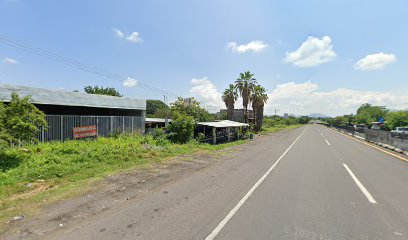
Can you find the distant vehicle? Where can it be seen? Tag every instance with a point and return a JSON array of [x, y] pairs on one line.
[[360, 127], [377, 125], [401, 130]]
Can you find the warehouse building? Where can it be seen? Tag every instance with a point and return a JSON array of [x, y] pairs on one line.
[[74, 115]]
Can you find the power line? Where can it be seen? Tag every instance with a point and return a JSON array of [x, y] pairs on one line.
[[78, 65]]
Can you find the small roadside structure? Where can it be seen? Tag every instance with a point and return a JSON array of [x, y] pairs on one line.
[[151, 123], [220, 131]]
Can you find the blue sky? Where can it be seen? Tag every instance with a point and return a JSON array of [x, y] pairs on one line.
[[353, 51]]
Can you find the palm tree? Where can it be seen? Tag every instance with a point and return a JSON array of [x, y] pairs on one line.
[[245, 85], [258, 98], [229, 97]]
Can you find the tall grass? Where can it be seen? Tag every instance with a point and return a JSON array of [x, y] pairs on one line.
[[71, 161]]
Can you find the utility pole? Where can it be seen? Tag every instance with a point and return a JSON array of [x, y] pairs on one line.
[[166, 121], [276, 110]]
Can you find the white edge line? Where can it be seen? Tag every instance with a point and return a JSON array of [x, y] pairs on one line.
[[360, 185], [327, 142], [221, 225]]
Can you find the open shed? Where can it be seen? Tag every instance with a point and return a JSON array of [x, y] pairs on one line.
[[224, 130], [152, 123]]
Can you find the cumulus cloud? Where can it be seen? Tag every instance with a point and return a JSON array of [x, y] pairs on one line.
[[313, 52], [130, 82], [375, 61], [302, 98], [254, 46], [305, 98], [8, 60], [133, 37], [206, 93]]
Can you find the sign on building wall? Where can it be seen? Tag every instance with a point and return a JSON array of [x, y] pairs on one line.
[[85, 131]]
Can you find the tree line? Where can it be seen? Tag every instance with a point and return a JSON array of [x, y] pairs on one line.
[[367, 114]]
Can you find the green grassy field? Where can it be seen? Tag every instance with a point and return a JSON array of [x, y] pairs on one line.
[[278, 128], [51, 171], [36, 175]]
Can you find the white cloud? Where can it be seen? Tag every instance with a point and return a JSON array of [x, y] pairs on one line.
[[206, 92], [133, 37], [118, 33], [375, 61], [8, 60], [130, 82], [313, 52], [254, 46], [305, 98]]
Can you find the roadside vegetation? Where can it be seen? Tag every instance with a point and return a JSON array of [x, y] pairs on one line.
[[277, 123], [28, 171], [367, 114], [32, 173]]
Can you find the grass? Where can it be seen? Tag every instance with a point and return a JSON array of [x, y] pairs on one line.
[[34, 175], [278, 128]]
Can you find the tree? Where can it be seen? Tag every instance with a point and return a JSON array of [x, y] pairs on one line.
[[258, 99], [396, 119], [155, 107], [245, 85], [229, 97], [182, 128], [102, 91], [367, 113], [22, 120], [190, 107], [4, 137]]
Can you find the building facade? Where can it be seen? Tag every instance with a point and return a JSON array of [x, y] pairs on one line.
[[66, 111], [237, 116]]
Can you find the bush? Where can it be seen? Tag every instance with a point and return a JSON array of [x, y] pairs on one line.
[[160, 136], [182, 128], [20, 120], [200, 137]]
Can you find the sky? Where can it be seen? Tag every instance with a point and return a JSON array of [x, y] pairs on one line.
[[313, 56]]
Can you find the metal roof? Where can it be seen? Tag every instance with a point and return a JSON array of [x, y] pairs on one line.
[[158, 120], [64, 98], [223, 123]]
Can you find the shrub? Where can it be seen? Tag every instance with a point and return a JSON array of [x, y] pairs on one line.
[[182, 128], [200, 137], [21, 120], [160, 136]]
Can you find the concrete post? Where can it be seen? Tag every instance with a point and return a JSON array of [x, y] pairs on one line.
[[62, 128], [229, 134], [214, 133]]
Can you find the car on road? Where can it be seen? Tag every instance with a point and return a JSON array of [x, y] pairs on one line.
[[401, 130], [359, 127]]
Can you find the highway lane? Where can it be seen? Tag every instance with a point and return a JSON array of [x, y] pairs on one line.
[[312, 196], [310, 183]]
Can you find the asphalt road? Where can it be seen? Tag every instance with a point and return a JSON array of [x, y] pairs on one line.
[[309, 183]]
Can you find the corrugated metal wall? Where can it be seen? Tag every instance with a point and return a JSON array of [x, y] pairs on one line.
[[60, 127]]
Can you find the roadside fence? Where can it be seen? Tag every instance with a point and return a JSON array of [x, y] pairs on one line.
[[61, 127], [396, 140]]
